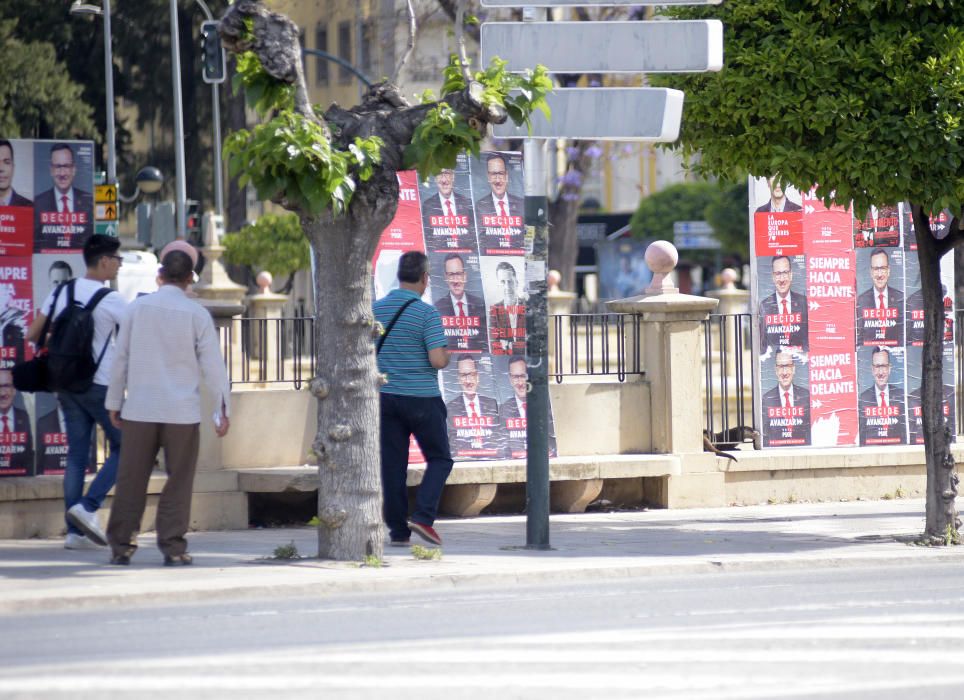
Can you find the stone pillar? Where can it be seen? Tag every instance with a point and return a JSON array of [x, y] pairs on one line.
[[559, 305], [268, 306], [732, 301], [672, 353]]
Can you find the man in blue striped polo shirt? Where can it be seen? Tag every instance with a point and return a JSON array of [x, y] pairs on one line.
[[413, 349]]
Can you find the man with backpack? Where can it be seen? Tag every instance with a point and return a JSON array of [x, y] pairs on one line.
[[79, 344]]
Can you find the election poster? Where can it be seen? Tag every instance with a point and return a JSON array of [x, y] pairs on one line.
[[46, 215], [469, 221], [839, 314]]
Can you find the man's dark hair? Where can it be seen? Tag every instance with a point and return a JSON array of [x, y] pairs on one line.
[[98, 246], [517, 358], [781, 257], [454, 256], [61, 146], [507, 266], [496, 156], [59, 264], [6, 142], [411, 266], [881, 349], [177, 267], [463, 358], [880, 251]]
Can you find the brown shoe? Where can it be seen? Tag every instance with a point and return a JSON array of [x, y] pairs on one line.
[[178, 560]]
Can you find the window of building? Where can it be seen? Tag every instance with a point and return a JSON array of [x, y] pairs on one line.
[[321, 64], [344, 51]]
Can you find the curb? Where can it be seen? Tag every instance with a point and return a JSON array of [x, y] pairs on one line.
[[408, 580]]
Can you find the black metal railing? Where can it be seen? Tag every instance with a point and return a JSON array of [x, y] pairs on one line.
[[727, 343], [269, 350], [594, 344]]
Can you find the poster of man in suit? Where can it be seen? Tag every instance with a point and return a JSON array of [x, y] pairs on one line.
[[16, 443], [500, 211], [16, 188], [880, 411], [880, 302], [783, 314], [914, 372], [502, 280], [448, 220], [778, 200], [786, 405], [513, 410], [463, 312], [473, 413], [64, 205]]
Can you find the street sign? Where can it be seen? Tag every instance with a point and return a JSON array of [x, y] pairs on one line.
[[699, 228], [106, 212], [108, 228], [695, 241], [619, 114], [592, 3], [683, 46], [105, 194]]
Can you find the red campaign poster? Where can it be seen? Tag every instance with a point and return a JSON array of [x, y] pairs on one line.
[[831, 280], [16, 231], [16, 309], [778, 233]]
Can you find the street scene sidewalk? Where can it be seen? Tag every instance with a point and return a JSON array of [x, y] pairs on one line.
[[39, 575]]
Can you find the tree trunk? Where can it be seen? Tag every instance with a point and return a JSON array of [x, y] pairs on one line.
[[942, 520], [346, 445], [564, 214]]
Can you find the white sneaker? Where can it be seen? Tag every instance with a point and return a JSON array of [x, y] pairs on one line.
[[75, 541], [86, 522]]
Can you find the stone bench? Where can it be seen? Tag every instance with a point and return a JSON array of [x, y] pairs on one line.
[[472, 486]]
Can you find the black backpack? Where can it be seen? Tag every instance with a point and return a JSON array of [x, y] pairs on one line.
[[70, 362]]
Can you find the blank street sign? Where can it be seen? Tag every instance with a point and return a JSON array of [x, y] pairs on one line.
[[622, 114], [686, 46], [592, 3]]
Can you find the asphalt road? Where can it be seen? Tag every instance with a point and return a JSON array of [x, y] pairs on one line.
[[851, 633]]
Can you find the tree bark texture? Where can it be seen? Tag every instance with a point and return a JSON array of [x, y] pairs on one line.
[[941, 477]]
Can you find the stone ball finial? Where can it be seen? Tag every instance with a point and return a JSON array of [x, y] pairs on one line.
[[661, 257], [728, 277], [264, 280], [553, 279]]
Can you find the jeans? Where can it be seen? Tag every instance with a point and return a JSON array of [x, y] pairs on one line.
[[81, 412], [423, 417]]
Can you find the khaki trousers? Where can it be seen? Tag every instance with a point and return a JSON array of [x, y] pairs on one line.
[[141, 441]]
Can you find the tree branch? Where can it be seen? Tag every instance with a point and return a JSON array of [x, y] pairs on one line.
[[449, 6], [460, 40], [412, 27]]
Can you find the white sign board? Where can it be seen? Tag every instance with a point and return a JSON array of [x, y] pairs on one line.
[[701, 228], [621, 114], [689, 46]]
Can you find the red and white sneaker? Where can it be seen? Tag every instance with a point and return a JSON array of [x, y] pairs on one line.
[[426, 532]]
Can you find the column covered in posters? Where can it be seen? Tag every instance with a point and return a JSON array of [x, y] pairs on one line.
[[840, 329], [469, 221]]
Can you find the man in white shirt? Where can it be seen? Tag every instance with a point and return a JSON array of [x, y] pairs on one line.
[[166, 347], [82, 410]]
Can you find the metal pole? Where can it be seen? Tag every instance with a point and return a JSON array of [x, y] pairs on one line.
[[109, 82], [181, 188], [537, 349], [216, 116]]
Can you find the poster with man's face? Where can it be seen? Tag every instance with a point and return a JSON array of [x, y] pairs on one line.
[[64, 201], [448, 217], [502, 280], [457, 294], [880, 297], [473, 411], [786, 400], [16, 309], [16, 442], [16, 197], [500, 205], [881, 416]]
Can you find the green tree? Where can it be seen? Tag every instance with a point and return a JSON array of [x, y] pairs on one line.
[[863, 100], [337, 171], [685, 201], [274, 243], [37, 96]]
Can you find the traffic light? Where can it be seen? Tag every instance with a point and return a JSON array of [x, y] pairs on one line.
[[193, 222], [212, 55]]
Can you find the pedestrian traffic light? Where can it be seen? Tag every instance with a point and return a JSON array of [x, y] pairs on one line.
[[193, 221], [212, 55]]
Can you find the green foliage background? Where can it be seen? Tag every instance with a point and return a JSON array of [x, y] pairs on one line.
[[274, 243], [865, 99]]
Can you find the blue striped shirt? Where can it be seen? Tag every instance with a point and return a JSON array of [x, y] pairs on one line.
[[404, 354]]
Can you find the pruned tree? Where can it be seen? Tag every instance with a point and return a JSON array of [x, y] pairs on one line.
[[863, 100], [338, 172]]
